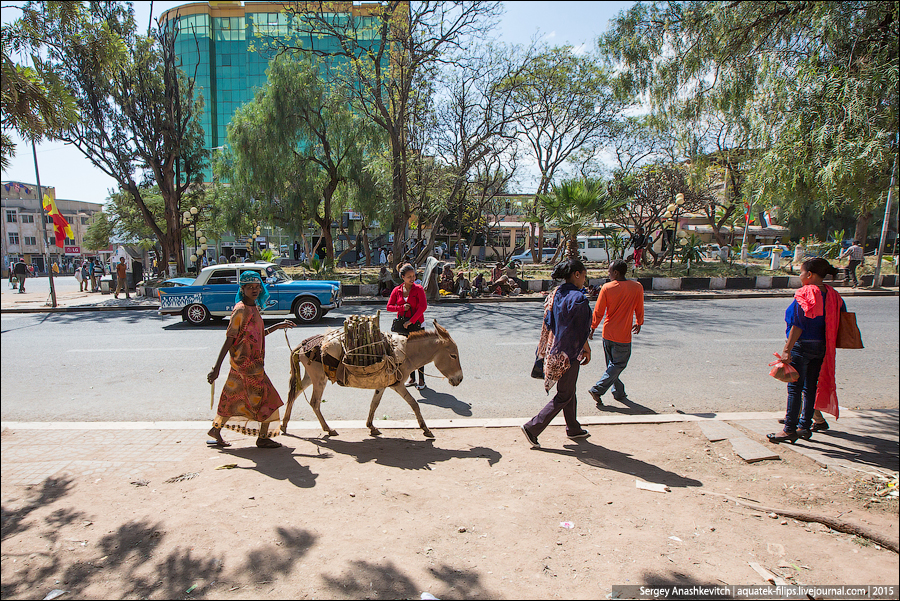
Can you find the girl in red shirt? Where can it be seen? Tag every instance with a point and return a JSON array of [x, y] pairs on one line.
[[408, 302]]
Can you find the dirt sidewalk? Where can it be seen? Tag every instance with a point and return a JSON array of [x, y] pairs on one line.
[[474, 513]]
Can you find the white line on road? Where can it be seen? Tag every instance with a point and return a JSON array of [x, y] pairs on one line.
[[750, 340], [137, 350]]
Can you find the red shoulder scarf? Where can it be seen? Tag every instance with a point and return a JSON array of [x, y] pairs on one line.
[[810, 300]]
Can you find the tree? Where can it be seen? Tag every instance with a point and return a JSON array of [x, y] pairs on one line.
[[644, 197], [34, 103], [294, 145], [563, 102], [575, 206], [380, 55], [475, 119], [139, 123], [809, 89]]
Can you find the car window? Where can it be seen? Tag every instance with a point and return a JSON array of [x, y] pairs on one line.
[[222, 276], [596, 243]]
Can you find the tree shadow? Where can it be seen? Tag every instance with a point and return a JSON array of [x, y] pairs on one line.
[[278, 464], [127, 552], [671, 580], [13, 521], [445, 401], [402, 453], [609, 459]]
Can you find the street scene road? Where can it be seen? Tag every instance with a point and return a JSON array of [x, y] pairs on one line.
[[691, 356]]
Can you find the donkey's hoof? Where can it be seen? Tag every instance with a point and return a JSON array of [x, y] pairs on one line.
[[375, 432], [332, 433], [284, 429], [427, 433]]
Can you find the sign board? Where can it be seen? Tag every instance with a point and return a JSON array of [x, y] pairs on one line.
[[73, 250]]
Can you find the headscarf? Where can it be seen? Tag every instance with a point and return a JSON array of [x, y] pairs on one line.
[[249, 277]]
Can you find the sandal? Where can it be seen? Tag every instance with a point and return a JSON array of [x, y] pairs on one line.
[[819, 426], [783, 437], [804, 434]]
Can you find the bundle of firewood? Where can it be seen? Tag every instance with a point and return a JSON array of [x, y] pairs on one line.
[[364, 343]]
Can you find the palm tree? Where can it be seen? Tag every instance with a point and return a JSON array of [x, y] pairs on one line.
[[575, 206]]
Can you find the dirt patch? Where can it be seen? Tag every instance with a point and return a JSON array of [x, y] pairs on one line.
[[473, 514]]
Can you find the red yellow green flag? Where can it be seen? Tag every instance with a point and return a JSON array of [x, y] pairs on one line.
[[61, 227]]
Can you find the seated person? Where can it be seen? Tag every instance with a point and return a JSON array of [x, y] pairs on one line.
[[512, 273], [478, 284], [462, 286], [446, 282], [502, 286], [385, 282]]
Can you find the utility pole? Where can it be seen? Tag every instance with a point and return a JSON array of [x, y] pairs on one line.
[[876, 280], [40, 194]]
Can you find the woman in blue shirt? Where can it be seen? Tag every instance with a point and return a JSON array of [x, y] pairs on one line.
[[568, 321], [807, 349]]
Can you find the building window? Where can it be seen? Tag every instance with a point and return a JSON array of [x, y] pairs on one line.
[[10, 217], [70, 242], [30, 240], [27, 218], [48, 219], [13, 237], [85, 220]]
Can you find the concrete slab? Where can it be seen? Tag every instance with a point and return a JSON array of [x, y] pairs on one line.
[[861, 441], [715, 430], [751, 451]]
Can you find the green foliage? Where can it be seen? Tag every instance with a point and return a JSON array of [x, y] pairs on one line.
[[691, 250], [574, 206]]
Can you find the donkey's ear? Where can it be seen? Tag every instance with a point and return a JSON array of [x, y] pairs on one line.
[[441, 331]]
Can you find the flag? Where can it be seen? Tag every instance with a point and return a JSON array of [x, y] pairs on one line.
[[61, 227], [747, 219]]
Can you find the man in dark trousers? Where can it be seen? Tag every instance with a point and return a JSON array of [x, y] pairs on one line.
[[639, 243], [21, 271], [622, 302]]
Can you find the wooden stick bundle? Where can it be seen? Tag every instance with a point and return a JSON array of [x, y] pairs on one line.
[[363, 340]]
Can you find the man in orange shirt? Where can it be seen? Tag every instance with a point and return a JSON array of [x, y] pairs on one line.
[[623, 303]]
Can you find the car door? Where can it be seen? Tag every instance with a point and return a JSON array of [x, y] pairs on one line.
[[220, 290], [277, 294]]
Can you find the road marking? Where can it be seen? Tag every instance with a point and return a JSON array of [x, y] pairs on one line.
[[750, 340], [137, 350]]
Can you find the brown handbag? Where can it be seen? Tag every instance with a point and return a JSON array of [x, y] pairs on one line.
[[848, 335]]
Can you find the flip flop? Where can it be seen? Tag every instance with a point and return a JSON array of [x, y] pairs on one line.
[[215, 443]]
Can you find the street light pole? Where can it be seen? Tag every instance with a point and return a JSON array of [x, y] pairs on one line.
[[40, 194], [876, 280]]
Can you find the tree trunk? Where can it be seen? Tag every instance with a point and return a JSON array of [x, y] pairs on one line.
[[862, 227], [365, 238]]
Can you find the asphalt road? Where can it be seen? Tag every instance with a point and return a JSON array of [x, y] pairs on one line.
[[691, 356]]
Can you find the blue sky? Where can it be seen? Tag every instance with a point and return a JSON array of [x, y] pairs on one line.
[[556, 23]]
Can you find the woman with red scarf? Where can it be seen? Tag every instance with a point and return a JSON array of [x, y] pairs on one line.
[[408, 302], [812, 323]]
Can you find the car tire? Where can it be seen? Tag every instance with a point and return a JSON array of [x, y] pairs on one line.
[[308, 310], [196, 314]]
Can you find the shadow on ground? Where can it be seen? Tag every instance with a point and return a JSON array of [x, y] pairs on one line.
[[400, 452], [610, 459]]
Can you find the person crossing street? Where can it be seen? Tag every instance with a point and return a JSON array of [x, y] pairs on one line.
[[622, 302]]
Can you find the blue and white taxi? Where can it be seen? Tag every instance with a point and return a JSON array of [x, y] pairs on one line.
[[211, 294]]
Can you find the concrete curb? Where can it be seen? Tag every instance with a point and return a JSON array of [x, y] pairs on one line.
[[648, 296]]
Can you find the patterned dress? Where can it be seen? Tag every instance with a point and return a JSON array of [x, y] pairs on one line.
[[248, 396]]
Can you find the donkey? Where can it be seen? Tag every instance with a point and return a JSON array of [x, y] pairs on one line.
[[421, 348]]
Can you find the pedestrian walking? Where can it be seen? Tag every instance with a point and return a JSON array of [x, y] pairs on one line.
[[564, 348], [855, 255], [409, 303], [382, 258], [639, 243], [21, 271], [622, 303], [122, 278], [812, 321], [248, 395]]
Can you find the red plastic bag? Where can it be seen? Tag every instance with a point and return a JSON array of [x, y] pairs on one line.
[[783, 371]]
